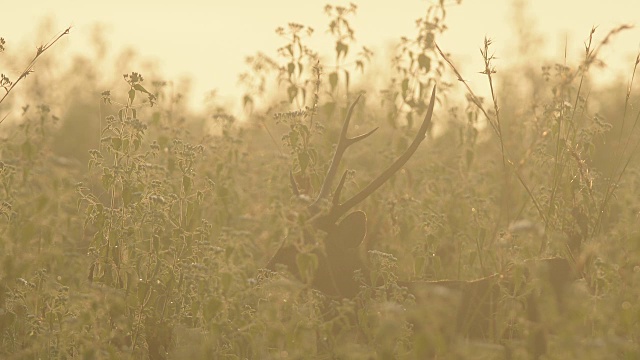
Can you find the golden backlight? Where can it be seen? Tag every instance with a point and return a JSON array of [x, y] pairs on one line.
[[207, 41]]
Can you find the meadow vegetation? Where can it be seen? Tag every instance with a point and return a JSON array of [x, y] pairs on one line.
[[131, 228]]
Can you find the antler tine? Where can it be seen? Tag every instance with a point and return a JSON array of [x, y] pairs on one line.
[[336, 194], [343, 144], [341, 209]]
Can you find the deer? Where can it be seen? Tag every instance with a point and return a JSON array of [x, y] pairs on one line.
[[345, 231]]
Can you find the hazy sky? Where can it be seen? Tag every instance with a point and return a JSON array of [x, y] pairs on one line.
[[208, 40]]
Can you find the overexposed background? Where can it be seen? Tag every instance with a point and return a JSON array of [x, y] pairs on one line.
[[204, 43]]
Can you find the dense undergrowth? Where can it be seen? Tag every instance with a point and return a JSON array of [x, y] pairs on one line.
[[152, 242]]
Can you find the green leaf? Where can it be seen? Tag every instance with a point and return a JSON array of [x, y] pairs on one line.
[[405, 87], [132, 95], [116, 143], [292, 91], [291, 67], [140, 88], [107, 180], [341, 49], [429, 40], [247, 101], [293, 138], [333, 80], [424, 62]]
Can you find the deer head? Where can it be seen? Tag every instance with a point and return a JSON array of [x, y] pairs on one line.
[[344, 230]]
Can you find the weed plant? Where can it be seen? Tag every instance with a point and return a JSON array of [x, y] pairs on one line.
[[156, 248]]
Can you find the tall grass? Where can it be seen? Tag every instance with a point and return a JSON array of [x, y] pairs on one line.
[[156, 248]]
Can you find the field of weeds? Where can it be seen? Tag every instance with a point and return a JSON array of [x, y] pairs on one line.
[[133, 228]]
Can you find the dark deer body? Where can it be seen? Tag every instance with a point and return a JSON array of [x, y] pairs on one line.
[[334, 274], [341, 258]]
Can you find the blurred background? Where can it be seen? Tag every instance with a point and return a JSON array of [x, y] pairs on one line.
[[201, 46]]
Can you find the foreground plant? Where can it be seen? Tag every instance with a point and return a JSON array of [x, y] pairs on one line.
[[146, 231], [7, 84]]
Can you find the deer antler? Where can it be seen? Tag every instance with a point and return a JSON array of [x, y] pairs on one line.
[[343, 144], [340, 209]]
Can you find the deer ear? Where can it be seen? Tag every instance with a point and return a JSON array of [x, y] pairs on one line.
[[352, 230]]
